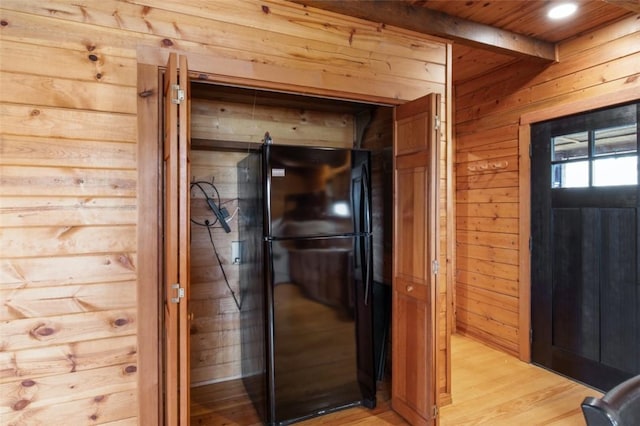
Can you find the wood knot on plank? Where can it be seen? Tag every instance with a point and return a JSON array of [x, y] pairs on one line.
[[35, 112], [93, 57], [99, 398], [28, 383], [21, 405], [145, 93], [90, 47], [4, 22], [120, 322], [166, 42], [98, 76], [42, 330], [265, 9], [125, 260], [130, 369]]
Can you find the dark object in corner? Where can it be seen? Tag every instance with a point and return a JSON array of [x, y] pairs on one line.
[[219, 215], [618, 407]]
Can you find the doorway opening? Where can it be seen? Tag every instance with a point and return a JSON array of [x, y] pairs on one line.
[[227, 124]]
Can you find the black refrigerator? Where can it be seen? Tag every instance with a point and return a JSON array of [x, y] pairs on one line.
[[313, 298]]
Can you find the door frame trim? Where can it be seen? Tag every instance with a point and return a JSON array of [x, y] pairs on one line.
[[524, 202], [151, 62]]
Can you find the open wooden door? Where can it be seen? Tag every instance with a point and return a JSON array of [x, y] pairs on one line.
[[176, 241], [415, 248]]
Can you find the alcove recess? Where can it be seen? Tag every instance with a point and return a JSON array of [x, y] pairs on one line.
[[226, 123]]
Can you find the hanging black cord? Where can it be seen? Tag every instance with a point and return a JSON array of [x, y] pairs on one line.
[[226, 280], [206, 196], [209, 225]]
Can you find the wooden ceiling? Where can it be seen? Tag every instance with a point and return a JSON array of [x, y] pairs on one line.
[[487, 34]]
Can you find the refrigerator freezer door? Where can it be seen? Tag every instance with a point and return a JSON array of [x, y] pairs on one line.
[[309, 191]]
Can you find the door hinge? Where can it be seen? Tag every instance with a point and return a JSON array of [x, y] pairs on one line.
[[435, 411], [177, 94], [436, 122], [179, 294], [435, 266]]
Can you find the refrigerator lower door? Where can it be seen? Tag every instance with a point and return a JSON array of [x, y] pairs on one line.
[[315, 349]]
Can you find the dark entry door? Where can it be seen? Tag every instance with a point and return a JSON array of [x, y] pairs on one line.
[[585, 246]]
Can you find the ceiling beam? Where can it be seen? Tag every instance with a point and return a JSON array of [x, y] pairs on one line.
[[420, 19], [632, 5]]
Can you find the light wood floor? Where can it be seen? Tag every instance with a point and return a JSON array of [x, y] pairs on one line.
[[489, 388]]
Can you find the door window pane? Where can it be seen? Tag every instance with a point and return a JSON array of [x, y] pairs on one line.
[[571, 146], [615, 171], [570, 175], [616, 140]]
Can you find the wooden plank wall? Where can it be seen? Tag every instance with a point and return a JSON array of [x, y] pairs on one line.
[[68, 230], [247, 123], [488, 112], [215, 328]]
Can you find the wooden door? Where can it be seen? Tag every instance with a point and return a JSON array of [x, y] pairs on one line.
[[585, 246], [176, 241], [414, 313]]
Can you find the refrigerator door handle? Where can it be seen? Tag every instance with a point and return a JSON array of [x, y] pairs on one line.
[[367, 271], [366, 224]]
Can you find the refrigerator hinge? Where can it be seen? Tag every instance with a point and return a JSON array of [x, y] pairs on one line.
[[177, 94], [435, 411], [435, 267], [179, 294]]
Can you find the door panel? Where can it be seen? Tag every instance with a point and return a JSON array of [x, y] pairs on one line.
[[171, 243], [176, 242], [416, 143], [585, 247]]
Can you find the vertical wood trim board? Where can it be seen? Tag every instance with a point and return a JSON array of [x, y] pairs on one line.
[[524, 274], [149, 175]]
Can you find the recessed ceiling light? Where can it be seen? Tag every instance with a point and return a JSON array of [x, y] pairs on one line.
[[562, 10]]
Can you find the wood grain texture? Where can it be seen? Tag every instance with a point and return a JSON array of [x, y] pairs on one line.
[[596, 69], [148, 334], [215, 345], [79, 197], [415, 296], [489, 387], [235, 122]]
